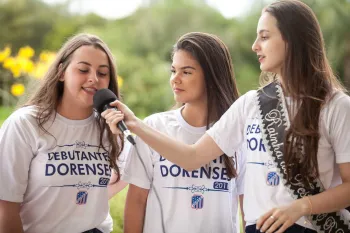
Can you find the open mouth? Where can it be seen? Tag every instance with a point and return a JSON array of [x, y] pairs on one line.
[[260, 57], [90, 90]]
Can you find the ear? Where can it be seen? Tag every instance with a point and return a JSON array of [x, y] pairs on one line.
[[61, 78]]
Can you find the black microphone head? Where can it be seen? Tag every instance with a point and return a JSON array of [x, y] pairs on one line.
[[102, 98]]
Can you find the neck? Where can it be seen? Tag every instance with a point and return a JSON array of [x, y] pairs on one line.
[[195, 114], [73, 113]]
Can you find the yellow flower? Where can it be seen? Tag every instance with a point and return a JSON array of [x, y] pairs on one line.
[[26, 52], [5, 53], [120, 81], [16, 71], [39, 70], [17, 89], [9, 62], [25, 64], [46, 56]]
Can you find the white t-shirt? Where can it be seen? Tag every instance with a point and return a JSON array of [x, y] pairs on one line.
[[61, 180], [192, 201], [240, 125]]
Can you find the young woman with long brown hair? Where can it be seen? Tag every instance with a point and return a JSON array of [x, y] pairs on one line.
[[203, 83], [56, 154]]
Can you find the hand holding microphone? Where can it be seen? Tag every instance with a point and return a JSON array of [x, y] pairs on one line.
[[106, 103]]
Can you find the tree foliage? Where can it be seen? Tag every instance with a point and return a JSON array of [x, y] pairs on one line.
[[142, 42]]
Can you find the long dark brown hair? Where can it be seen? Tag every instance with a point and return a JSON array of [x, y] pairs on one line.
[[308, 79], [50, 92], [215, 60]]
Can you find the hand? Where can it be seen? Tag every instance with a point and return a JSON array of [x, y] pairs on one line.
[[113, 116], [279, 219]]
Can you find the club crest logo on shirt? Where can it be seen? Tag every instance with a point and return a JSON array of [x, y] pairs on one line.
[[272, 179], [81, 197], [197, 202]]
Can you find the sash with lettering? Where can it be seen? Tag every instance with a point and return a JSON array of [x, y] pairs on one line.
[[275, 120]]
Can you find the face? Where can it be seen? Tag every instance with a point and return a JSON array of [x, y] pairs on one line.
[[187, 79], [87, 72], [269, 44]]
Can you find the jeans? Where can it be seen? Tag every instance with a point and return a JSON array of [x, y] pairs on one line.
[[292, 229], [95, 230]]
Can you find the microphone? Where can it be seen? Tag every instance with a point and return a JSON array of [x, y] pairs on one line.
[[102, 99]]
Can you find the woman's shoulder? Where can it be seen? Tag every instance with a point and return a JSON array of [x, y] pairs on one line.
[[249, 95], [22, 120], [339, 100], [161, 117], [246, 100], [27, 113]]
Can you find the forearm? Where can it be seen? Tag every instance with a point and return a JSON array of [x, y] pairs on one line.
[[241, 209], [134, 216], [10, 220], [331, 200]]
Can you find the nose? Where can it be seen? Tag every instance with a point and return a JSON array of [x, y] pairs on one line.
[[255, 46], [175, 78], [93, 77]]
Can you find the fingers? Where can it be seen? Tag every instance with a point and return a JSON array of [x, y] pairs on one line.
[[264, 218], [277, 221], [276, 224], [111, 113], [284, 227], [112, 118], [120, 106]]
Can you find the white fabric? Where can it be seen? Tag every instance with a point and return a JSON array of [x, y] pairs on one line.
[[60, 179], [240, 125], [178, 189], [107, 224]]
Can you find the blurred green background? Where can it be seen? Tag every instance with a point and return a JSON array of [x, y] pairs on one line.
[[32, 31]]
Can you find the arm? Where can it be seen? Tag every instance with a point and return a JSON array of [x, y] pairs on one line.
[[135, 208], [15, 159], [189, 157], [115, 187], [331, 200], [241, 209], [10, 220]]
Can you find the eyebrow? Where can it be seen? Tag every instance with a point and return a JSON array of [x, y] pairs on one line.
[[87, 63], [185, 67], [263, 30]]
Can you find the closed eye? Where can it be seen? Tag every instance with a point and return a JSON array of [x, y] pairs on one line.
[[102, 74]]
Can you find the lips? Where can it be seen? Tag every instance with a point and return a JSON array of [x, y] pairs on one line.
[[90, 90], [261, 58], [177, 90]]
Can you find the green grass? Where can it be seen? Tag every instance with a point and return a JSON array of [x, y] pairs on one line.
[[4, 113], [117, 204]]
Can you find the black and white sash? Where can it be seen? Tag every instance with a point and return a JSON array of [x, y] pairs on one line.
[[275, 121]]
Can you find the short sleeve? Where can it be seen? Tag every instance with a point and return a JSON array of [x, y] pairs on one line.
[[228, 132], [338, 121], [17, 139], [121, 162]]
